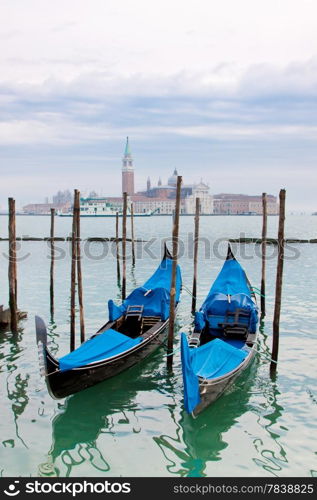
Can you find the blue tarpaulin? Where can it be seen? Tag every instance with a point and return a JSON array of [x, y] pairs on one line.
[[154, 295], [102, 346], [216, 358], [229, 292], [190, 379], [211, 360], [231, 280]]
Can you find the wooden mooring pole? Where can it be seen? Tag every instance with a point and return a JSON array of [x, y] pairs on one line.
[[132, 235], [12, 268], [52, 231], [196, 240], [79, 272], [170, 340], [117, 246], [279, 282], [264, 236], [124, 245], [73, 277]]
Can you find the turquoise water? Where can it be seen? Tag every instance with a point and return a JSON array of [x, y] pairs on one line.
[[134, 424]]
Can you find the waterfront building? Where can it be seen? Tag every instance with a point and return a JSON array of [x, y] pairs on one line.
[[239, 204], [45, 208], [158, 205]]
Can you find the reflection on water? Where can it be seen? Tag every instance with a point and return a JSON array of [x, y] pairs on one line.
[[198, 441], [268, 411], [16, 383], [83, 417]]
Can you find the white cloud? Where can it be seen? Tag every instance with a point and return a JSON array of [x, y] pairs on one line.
[[258, 80], [56, 130], [44, 39]]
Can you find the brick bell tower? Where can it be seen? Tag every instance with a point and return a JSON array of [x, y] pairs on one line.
[[127, 171]]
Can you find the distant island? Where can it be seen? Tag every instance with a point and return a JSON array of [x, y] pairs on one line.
[[158, 198]]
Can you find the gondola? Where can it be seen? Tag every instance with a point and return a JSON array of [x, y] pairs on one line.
[[134, 330], [221, 346]]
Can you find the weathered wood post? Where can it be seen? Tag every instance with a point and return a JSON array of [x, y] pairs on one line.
[[170, 340], [52, 262], [132, 235], [12, 268], [279, 281], [196, 240], [73, 277], [263, 247], [79, 273], [117, 246], [124, 245]]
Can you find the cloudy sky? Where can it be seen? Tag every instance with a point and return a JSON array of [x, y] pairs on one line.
[[222, 90]]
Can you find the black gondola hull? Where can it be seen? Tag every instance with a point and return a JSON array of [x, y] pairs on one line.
[[62, 384]]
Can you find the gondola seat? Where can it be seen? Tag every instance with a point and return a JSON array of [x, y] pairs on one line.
[[236, 324], [235, 313], [154, 302]]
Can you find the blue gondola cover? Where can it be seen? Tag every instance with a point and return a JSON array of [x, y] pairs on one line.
[[154, 295], [190, 379], [216, 358], [210, 361], [229, 292], [102, 346]]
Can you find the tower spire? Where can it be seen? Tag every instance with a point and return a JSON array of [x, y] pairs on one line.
[[127, 170], [127, 151]]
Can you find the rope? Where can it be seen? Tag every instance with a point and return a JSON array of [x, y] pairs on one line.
[[262, 353], [188, 291], [173, 352], [257, 291], [164, 345]]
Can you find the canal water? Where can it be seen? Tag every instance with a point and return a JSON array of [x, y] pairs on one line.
[[135, 423]]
